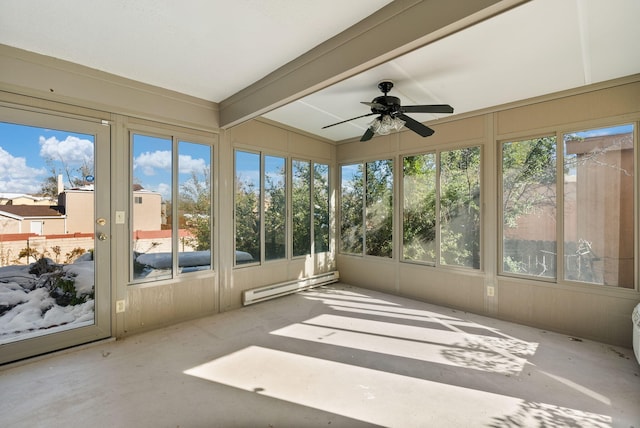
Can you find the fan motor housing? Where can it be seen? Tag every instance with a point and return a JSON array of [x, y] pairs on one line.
[[391, 104]]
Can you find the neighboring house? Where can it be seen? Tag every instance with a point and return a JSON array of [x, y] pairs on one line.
[[149, 213], [23, 199], [31, 219], [77, 204], [74, 213]]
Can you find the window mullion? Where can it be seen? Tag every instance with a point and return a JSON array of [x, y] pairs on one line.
[[175, 231], [560, 189], [438, 163], [364, 209], [261, 210]]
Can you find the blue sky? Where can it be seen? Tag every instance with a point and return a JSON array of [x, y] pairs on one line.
[[152, 162], [27, 155], [24, 152], [614, 130]]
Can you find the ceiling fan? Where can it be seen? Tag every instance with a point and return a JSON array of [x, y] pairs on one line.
[[392, 114]]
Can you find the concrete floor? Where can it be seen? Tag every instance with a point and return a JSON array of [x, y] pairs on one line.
[[335, 356]]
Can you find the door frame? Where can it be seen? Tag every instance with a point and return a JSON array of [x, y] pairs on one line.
[[101, 328]]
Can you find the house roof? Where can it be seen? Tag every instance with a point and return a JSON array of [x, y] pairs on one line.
[[26, 211]]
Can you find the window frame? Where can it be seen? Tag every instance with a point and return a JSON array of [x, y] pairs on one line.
[[559, 133], [175, 137], [288, 161], [500, 203], [364, 252], [437, 263], [401, 215]]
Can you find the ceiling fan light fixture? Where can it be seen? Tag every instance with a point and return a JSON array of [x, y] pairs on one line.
[[385, 124]]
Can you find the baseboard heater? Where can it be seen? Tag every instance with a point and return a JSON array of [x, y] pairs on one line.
[[267, 292]]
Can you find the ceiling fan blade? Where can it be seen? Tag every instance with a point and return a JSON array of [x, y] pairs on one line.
[[353, 118], [416, 126], [374, 105], [368, 134], [429, 108]]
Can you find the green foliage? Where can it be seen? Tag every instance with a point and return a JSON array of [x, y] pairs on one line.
[[528, 177], [301, 207], [321, 207], [419, 207], [379, 208], [367, 187], [247, 219], [275, 215], [62, 288], [351, 202], [195, 209], [460, 207]]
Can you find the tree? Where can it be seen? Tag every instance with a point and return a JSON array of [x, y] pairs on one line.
[[195, 208], [57, 167], [275, 213], [301, 207], [379, 208], [419, 207], [351, 208], [460, 207], [528, 177], [247, 215], [321, 207]]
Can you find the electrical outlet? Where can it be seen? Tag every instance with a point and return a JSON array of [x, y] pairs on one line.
[[491, 291], [119, 306]]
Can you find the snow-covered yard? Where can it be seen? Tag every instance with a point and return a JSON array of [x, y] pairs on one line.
[[44, 297]]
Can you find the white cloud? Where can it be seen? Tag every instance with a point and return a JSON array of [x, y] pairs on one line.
[[188, 164], [150, 161], [16, 176], [72, 150], [164, 189]]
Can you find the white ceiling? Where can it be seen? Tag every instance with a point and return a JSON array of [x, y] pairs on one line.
[[212, 49], [540, 47]]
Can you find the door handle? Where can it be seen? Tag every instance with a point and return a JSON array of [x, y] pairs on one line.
[[102, 236]]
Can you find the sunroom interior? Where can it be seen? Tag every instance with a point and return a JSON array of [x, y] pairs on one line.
[[522, 206]]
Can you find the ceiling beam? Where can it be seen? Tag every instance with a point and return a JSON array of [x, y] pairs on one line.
[[394, 30]]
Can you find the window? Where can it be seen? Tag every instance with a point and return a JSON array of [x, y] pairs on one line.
[[260, 218], [247, 207], [320, 208], [310, 180], [597, 218], [419, 208], [441, 208], [460, 207], [599, 205], [168, 237], [529, 207], [301, 207], [367, 200], [275, 208]]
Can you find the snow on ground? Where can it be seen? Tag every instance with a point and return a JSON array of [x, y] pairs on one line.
[[27, 308]]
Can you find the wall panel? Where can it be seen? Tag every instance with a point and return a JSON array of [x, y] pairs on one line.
[[581, 310]]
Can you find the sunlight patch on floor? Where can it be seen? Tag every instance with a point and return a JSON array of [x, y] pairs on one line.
[[426, 344], [379, 397]]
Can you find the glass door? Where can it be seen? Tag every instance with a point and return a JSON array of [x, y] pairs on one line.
[[54, 233]]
